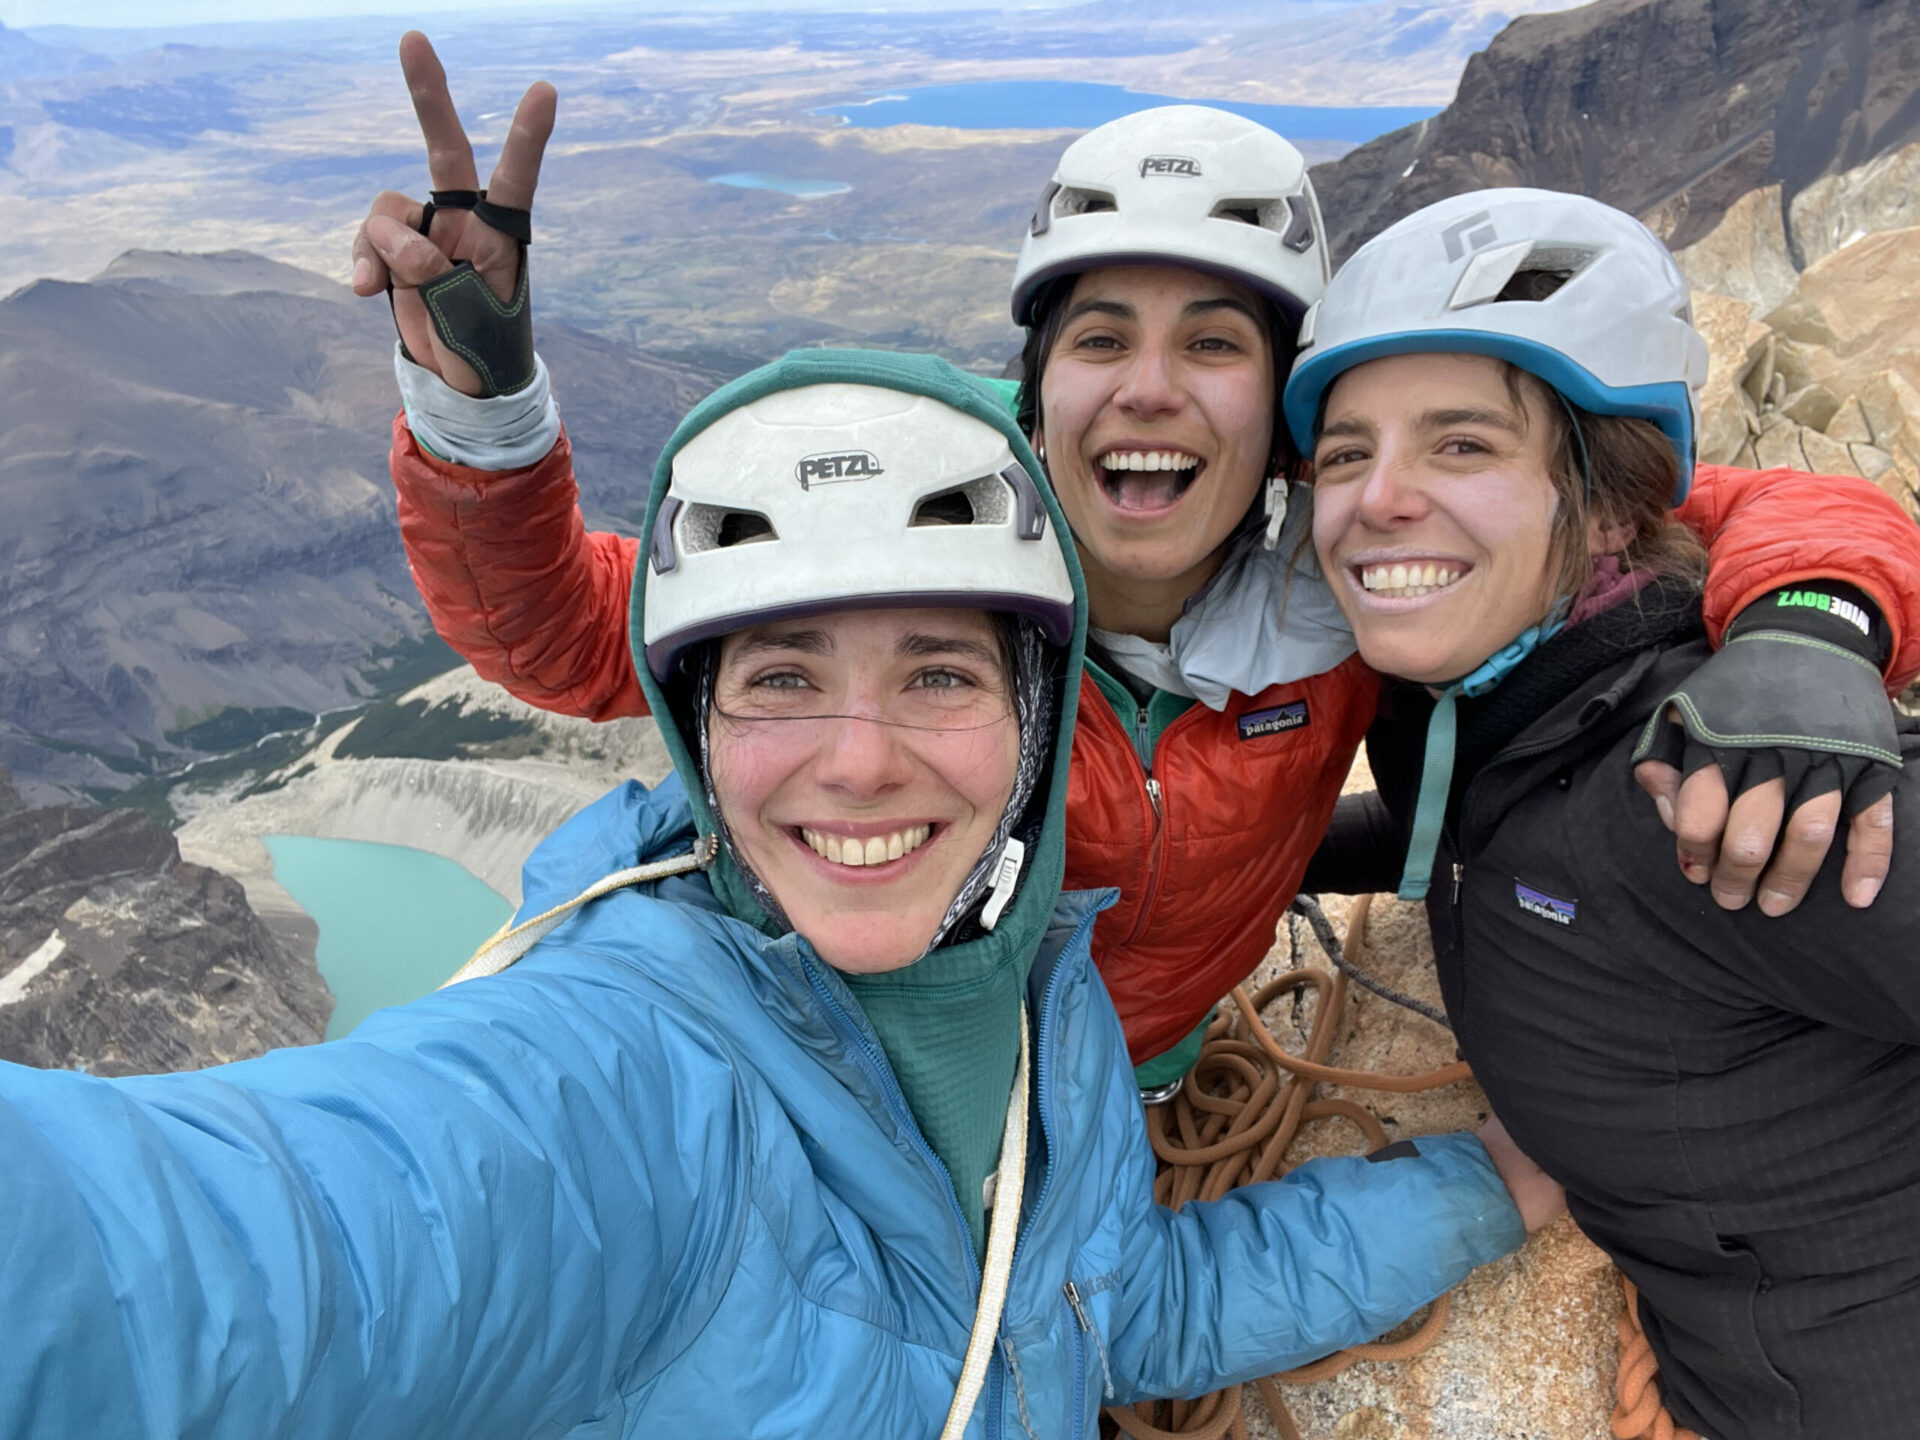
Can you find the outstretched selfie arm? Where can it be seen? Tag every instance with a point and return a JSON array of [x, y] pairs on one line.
[[466, 1219]]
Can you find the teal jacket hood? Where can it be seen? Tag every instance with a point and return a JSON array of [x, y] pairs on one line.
[[1025, 920]]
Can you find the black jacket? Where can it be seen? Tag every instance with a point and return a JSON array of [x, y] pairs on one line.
[[1732, 1102]]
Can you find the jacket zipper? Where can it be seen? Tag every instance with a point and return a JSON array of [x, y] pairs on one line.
[[882, 1076], [1079, 1361], [1150, 891]]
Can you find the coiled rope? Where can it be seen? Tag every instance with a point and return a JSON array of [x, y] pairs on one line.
[[1637, 1411], [1231, 1124]]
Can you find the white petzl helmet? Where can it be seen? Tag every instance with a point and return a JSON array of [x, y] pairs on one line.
[[1180, 185], [1615, 337], [835, 496]]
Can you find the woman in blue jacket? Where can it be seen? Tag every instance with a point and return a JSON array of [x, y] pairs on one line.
[[737, 1149]]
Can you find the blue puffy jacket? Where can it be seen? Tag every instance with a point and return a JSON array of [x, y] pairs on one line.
[[656, 1180]]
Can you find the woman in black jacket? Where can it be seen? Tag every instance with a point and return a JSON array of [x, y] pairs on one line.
[[1732, 1102]]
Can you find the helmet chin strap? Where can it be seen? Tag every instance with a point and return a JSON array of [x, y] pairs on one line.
[[1436, 769]]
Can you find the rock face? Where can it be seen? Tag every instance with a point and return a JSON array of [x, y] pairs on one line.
[[1528, 1349], [1823, 375], [119, 958], [1670, 109]]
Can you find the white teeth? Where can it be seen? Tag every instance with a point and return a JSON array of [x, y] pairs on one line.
[[1149, 460], [875, 850], [1407, 582]]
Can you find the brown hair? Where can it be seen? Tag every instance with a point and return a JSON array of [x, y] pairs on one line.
[[1632, 468], [1043, 333]]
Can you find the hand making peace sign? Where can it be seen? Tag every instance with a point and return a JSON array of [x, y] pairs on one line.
[[469, 334]]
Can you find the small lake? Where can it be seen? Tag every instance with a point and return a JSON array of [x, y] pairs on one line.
[[394, 922], [1079, 105], [799, 189]]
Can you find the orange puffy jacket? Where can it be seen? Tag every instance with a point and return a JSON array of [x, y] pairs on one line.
[[1207, 858]]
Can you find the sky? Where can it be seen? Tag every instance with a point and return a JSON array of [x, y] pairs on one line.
[[151, 14]]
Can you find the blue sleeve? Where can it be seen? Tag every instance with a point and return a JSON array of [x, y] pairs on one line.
[[483, 1214], [1272, 1276]]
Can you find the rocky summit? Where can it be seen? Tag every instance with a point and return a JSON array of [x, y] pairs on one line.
[[1816, 369], [1670, 109], [118, 958]]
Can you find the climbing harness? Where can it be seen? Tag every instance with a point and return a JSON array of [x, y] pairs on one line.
[[1240, 1109]]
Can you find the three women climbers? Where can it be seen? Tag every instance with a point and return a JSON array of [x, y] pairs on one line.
[[1223, 700]]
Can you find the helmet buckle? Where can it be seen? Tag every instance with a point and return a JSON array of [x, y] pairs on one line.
[[1276, 509]]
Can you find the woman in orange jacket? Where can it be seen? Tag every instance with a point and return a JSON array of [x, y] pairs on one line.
[[1223, 700]]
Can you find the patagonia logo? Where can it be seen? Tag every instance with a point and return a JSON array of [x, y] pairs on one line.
[[825, 469], [1170, 165], [1831, 604], [1547, 907], [1291, 716]]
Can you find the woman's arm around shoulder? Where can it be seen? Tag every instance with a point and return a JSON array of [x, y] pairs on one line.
[[486, 1214], [1770, 528]]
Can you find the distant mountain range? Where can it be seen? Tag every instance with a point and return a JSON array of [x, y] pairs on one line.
[[193, 471]]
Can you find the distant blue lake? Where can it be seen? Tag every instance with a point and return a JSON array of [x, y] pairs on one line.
[[1077, 105], [394, 922], [800, 189]]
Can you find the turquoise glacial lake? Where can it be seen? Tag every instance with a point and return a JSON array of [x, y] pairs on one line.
[[394, 922], [1081, 105], [800, 189]]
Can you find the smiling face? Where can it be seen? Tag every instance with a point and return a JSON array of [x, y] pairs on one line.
[[862, 761], [1156, 415], [1433, 510]]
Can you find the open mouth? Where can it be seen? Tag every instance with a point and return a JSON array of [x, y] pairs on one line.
[[857, 852], [1409, 581], [1147, 480]]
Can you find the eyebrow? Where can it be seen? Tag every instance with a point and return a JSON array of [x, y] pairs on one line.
[[1432, 420], [1114, 308], [1120, 310], [807, 642], [1222, 302], [920, 644]]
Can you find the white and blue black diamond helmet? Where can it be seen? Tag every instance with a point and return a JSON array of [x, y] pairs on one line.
[[1615, 336]]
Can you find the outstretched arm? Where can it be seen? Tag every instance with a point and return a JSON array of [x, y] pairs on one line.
[[1274, 1275], [466, 1219]]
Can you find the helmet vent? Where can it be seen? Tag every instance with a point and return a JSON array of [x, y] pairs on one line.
[[720, 527], [1074, 201], [1263, 214], [978, 502]]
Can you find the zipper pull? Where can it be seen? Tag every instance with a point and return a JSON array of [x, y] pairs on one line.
[[1079, 1313], [1458, 871], [1153, 794]]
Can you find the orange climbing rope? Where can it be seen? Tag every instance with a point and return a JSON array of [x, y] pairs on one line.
[[1231, 1124], [1637, 1411]]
